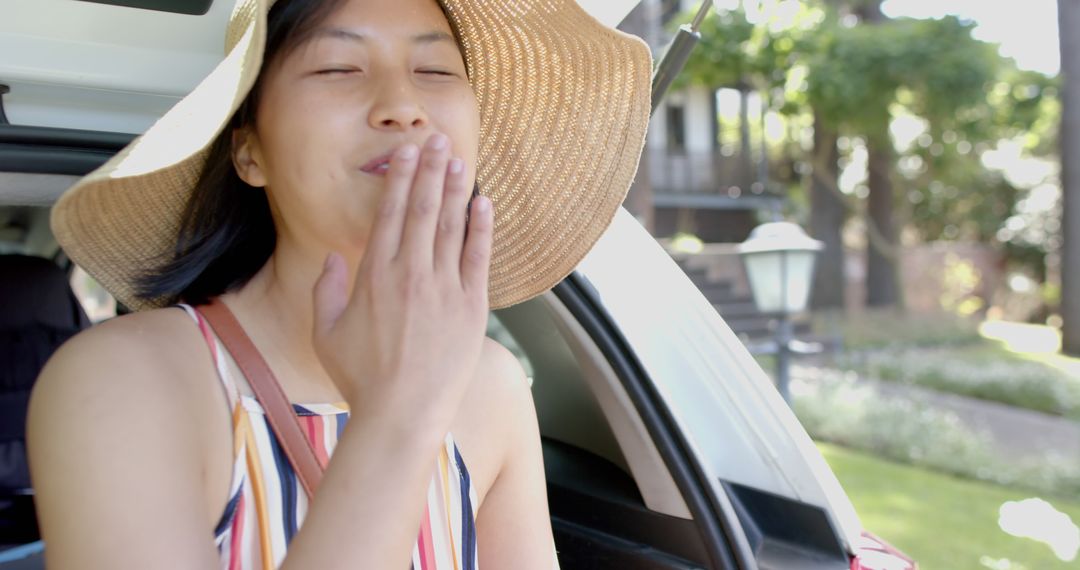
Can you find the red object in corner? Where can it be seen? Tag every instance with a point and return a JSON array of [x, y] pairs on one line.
[[873, 553]]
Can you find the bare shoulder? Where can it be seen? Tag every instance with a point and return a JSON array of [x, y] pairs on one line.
[[513, 518], [496, 415], [111, 418], [133, 366], [497, 364], [500, 385], [120, 359]]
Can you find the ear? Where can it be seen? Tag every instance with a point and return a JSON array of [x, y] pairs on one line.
[[247, 157]]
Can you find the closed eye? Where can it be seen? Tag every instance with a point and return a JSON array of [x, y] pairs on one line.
[[437, 72], [334, 71]]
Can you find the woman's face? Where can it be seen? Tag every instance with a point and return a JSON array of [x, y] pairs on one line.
[[376, 75]]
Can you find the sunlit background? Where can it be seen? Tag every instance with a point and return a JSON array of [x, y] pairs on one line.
[[918, 139]]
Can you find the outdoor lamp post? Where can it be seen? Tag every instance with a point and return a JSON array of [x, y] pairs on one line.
[[779, 258]]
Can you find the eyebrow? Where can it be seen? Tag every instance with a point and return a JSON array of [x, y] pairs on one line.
[[433, 36]]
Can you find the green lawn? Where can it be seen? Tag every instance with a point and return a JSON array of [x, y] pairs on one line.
[[945, 523]]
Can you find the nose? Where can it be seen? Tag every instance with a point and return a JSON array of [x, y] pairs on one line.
[[397, 107]]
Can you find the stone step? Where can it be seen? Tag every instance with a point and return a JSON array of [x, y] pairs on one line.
[[760, 326], [719, 292], [738, 307]]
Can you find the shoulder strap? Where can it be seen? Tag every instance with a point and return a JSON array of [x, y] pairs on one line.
[[268, 392]]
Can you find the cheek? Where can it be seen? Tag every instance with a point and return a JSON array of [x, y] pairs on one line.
[[306, 151], [467, 127]]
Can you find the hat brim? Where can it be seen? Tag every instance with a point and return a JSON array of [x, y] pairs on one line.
[[564, 107]]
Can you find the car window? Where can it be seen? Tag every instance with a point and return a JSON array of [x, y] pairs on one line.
[[497, 331], [95, 300]]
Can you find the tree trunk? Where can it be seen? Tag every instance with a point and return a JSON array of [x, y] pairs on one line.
[[827, 220], [882, 259], [883, 262], [1068, 23]]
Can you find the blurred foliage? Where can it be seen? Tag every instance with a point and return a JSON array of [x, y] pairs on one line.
[[845, 409], [953, 354], [842, 409], [861, 78], [725, 55], [934, 67], [980, 371], [960, 287], [889, 329]]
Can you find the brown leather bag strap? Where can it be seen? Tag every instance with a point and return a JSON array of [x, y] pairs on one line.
[[278, 410]]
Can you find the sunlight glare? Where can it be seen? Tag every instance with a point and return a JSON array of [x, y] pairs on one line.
[[1038, 520]]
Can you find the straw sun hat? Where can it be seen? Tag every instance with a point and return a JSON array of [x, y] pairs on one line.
[[564, 105]]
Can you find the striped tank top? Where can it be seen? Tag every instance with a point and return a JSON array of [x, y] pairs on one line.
[[267, 504]]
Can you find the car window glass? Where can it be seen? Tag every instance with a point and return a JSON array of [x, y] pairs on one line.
[[95, 300]]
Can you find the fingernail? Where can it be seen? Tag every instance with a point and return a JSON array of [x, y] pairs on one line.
[[483, 204], [456, 165], [408, 152], [438, 141]]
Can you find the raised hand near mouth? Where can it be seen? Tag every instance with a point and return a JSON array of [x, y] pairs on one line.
[[403, 341]]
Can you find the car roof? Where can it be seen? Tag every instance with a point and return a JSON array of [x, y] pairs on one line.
[[105, 67], [98, 67]]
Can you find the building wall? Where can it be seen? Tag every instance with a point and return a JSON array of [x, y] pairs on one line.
[[711, 226], [693, 166]]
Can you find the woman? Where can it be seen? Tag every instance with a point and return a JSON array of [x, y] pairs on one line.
[[316, 185]]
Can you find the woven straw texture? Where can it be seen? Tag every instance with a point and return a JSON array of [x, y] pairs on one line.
[[564, 106]]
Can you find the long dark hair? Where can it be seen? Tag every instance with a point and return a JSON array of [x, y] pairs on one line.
[[226, 232]]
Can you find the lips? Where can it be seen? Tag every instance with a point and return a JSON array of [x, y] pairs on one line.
[[379, 165]]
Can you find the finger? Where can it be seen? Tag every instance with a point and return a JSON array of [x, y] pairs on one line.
[[330, 295], [385, 240], [451, 228], [476, 255], [425, 199]]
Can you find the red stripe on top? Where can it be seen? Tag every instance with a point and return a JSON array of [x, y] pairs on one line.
[[235, 549], [208, 336], [424, 545], [314, 427]]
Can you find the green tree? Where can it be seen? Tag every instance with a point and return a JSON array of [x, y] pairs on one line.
[[857, 80], [854, 81], [952, 194]]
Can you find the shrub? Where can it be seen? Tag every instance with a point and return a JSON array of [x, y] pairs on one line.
[[876, 329], [833, 406], [980, 373]]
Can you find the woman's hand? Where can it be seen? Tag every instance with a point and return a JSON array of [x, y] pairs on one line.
[[404, 344]]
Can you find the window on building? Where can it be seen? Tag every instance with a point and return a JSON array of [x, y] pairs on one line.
[[676, 128]]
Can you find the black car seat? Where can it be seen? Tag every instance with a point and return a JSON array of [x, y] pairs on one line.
[[38, 312]]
